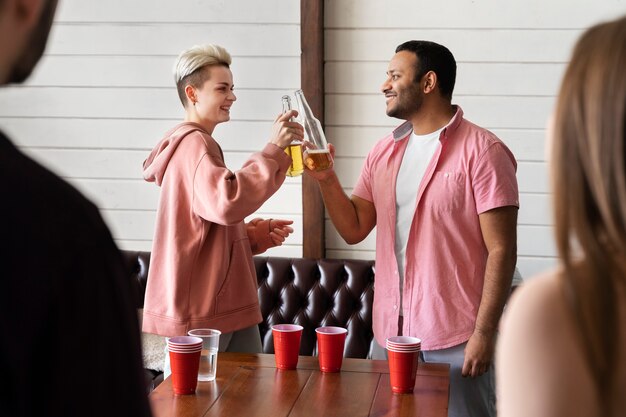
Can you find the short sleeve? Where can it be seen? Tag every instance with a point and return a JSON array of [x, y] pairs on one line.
[[493, 180], [363, 187]]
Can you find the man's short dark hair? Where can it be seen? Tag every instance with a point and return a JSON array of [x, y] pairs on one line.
[[433, 57]]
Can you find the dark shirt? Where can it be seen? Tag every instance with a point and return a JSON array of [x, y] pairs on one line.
[[69, 336]]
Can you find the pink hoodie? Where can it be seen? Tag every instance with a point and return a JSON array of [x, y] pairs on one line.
[[201, 269]]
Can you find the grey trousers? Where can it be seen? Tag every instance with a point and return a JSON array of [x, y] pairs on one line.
[[246, 340], [469, 397]]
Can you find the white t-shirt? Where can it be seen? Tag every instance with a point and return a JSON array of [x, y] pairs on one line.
[[419, 151]]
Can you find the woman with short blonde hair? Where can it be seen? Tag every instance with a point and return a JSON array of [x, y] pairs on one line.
[[190, 61], [201, 270]]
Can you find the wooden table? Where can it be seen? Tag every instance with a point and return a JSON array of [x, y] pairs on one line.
[[250, 385]]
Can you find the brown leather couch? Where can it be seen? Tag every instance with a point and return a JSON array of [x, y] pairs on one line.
[[308, 292]]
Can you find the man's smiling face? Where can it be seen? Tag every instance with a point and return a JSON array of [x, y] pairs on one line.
[[402, 93]]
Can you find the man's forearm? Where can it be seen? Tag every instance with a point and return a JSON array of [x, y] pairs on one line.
[[496, 288], [341, 210]]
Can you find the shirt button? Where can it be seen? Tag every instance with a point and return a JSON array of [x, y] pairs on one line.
[[395, 307]]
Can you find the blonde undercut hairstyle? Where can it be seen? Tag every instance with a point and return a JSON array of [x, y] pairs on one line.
[[190, 66]]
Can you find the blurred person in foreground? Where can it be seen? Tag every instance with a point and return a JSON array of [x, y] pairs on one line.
[[69, 336], [202, 273], [563, 346], [442, 194]]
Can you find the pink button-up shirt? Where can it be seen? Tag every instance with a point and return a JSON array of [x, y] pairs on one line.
[[471, 172]]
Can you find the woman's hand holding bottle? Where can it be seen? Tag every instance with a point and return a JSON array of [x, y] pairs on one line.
[[285, 131]]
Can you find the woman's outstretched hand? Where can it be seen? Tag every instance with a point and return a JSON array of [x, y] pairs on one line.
[[267, 233]]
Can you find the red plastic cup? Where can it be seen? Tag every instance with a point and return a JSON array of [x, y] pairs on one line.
[[402, 370], [330, 343], [185, 367], [286, 345], [403, 343]]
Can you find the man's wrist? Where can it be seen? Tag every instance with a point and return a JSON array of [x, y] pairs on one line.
[[329, 180], [485, 331]]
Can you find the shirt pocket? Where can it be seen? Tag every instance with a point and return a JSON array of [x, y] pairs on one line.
[[446, 191]]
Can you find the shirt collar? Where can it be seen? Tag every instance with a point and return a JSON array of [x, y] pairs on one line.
[[405, 129]]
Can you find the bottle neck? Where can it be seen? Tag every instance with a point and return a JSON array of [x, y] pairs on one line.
[[304, 106], [286, 105]]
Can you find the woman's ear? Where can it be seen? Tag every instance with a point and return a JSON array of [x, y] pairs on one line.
[[190, 92]]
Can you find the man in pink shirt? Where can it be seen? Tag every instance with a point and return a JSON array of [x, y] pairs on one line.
[[443, 195]]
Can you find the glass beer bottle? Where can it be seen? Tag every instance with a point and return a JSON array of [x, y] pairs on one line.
[[294, 150], [316, 153]]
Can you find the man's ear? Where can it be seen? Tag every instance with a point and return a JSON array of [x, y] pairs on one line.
[[430, 82]]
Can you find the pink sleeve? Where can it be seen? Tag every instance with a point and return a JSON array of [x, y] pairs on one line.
[[493, 181], [226, 197], [363, 187]]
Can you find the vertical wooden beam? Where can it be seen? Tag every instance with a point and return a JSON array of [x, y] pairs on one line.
[[312, 83]]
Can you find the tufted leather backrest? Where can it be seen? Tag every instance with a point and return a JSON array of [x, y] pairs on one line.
[[308, 292], [138, 264], [313, 293]]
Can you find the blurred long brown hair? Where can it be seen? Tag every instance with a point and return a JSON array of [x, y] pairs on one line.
[[589, 184]]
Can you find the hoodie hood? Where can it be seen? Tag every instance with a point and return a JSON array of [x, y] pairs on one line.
[[155, 165]]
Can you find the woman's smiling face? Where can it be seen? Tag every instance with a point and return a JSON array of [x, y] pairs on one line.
[[215, 97]]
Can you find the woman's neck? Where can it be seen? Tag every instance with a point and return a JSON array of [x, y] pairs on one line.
[[192, 116]]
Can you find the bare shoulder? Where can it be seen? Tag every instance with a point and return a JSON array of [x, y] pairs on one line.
[[539, 297], [536, 314], [539, 368]]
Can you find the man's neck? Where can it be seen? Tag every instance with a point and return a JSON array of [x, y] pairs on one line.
[[431, 118]]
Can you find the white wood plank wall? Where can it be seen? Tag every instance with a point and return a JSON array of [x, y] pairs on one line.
[[510, 57], [103, 95]]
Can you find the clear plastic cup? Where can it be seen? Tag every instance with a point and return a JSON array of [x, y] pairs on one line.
[[208, 358]]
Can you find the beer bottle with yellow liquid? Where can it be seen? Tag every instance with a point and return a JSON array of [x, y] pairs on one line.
[[294, 150], [316, 153]]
